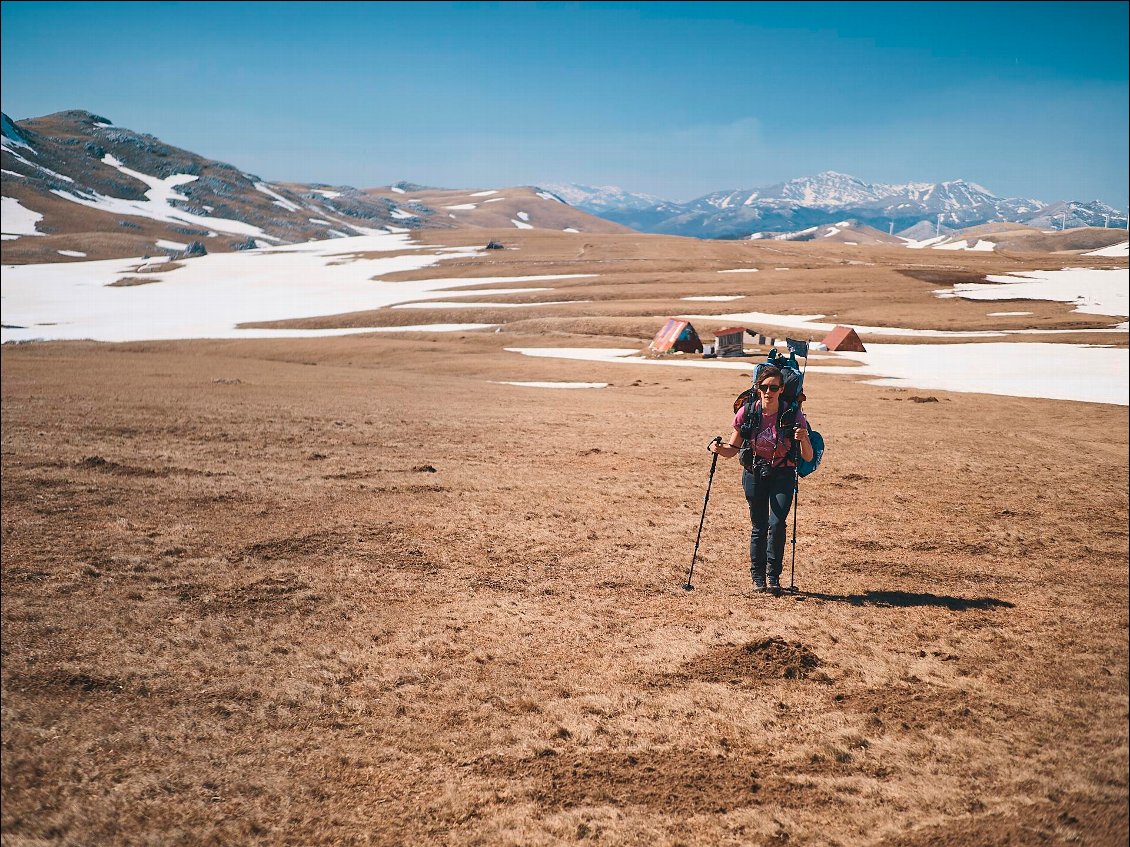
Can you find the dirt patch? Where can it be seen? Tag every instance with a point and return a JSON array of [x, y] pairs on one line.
[[1066, 822], [682, 782], [752, 664]]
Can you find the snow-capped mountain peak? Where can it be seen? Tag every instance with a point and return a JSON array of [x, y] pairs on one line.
[[830, 196], [594, 198]]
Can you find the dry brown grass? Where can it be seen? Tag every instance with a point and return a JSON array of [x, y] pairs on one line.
[[353, 591]]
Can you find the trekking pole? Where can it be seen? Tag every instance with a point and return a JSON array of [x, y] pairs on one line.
[[796, 508], [796, 483], [713, 464]]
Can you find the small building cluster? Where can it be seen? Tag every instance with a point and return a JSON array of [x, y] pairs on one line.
[[678, 336]]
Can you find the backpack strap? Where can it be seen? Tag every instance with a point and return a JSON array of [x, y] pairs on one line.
[[752, 419], [786, 423]]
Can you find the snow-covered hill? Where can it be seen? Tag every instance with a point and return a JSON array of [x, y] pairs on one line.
[[77, 187]]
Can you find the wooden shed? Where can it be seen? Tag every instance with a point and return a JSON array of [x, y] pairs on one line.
[[844, 338], [728, 342]]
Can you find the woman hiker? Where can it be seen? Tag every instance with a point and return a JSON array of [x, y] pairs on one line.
[[770, 480]]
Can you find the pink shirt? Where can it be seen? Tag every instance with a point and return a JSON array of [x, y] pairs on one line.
[[766, 444]]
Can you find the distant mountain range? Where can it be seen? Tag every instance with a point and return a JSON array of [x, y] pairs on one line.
[[75, 187], [910, 210]]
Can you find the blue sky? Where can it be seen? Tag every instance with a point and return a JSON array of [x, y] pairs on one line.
[[1028, 99]]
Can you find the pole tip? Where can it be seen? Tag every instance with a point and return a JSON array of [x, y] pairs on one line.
[[688, 587]]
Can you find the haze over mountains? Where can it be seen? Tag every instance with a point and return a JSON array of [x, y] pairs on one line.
[[77, 187], [914, 210]]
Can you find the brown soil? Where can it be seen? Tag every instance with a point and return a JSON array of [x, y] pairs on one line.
[[354, 591]]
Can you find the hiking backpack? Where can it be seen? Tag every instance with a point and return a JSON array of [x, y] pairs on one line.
[[792, 395]]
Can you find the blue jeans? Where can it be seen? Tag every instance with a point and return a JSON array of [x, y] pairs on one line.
[[770, 499]]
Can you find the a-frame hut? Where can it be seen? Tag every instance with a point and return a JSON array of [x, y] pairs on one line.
[[676, 336], [844, 338]]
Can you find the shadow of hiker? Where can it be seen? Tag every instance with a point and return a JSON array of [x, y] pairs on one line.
[[905, 599]]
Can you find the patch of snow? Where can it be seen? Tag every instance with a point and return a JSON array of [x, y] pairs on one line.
[[396, 190], [852, 243], [157, 205], [212, 295], [12, 173], [6, 141], [484, 193], [1117, 250], [1094, 292], [319, 221], [832, 231], [32, 164], [941, 367], [171, 245], [717, 298], [279, 199], [330, 194], [741, 271], [16, 220], [544, 195], [6, 237], [401, 215], [1006, 314], [72, 253], [919, 245], [962, 368], [463, 207], [523, 216], [521, 224], [495, 200], [570, 229]]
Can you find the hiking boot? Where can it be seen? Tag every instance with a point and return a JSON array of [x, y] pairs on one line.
[[775, 586], [759, 586]]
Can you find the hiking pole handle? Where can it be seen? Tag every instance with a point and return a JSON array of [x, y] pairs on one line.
[[715, 440]]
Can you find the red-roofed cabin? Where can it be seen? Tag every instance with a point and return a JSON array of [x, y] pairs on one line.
[[728, 342]]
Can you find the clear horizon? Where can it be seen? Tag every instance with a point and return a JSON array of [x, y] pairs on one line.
[[676, 100]]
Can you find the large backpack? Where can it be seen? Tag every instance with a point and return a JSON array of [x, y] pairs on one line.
[[792, 395]]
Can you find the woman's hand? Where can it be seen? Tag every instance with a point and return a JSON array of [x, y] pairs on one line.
[[800, 435]]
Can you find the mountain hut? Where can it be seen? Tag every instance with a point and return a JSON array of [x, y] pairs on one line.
[[677, 336], [844, 338], [728, 342]]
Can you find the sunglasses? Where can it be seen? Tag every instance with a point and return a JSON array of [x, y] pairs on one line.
[[770, 387]]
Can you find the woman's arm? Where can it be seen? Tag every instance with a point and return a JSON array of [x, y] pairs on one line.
[[728, 451], [800, 435]]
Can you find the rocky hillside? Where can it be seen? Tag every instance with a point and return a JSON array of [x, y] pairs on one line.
[[77, 187]]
